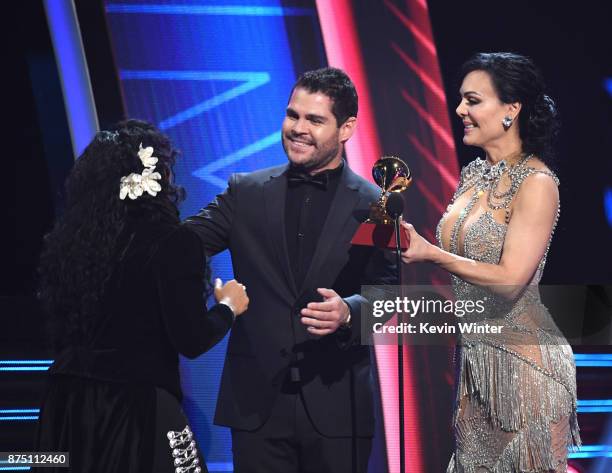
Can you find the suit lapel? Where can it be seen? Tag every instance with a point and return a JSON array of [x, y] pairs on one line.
[[346, 199], [275, 193]]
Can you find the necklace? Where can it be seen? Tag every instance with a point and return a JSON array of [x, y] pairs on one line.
[[483, 176], [497, 200]]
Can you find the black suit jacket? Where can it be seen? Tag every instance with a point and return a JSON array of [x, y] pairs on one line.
[[248, 218]]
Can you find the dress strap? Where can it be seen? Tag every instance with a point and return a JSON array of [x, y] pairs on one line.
[[548, 172]]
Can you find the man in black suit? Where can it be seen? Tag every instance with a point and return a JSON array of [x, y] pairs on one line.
[[296, 385]]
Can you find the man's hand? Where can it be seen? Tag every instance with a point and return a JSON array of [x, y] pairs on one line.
[[323, 318]]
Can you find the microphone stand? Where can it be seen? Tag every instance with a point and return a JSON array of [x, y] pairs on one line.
[[394, 208], [400, 349]]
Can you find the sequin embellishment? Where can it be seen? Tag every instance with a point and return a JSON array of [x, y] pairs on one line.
[[184, 451], [511, 388]]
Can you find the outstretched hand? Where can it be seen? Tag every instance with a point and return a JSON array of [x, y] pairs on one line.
[[232, 294], [419, 249], [324, 318]]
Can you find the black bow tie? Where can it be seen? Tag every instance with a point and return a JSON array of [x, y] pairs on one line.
[[297, 177]]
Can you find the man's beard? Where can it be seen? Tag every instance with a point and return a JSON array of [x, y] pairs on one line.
[[315, 161]]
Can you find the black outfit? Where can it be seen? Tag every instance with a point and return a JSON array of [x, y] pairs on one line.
[[111, 401], [306, 208], [286, 240]]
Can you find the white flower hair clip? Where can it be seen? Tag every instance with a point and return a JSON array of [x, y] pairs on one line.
[[134, 184], [146, 156]]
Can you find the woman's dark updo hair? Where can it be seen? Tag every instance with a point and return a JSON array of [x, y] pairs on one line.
[[81, 252], [113, 154], [517, 79]]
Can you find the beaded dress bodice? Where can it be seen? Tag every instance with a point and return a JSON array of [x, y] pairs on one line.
[[510, 384], [482, 237], [475, 230]]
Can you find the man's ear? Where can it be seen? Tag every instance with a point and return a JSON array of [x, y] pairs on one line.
[[347, 129]]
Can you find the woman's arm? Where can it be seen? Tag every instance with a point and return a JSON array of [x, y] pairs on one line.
[[528, 234], [179, 272]]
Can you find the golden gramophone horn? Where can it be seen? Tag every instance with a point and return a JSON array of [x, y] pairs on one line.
[[391, 174]]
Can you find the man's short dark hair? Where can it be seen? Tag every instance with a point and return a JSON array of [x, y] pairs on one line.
[[337, 86]]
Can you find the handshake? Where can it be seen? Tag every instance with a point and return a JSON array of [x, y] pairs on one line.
[[232, 294]]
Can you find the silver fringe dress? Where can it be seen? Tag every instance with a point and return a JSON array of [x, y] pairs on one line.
[[516, 397]]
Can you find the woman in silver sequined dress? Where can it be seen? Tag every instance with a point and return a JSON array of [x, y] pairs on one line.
[[516, 400]]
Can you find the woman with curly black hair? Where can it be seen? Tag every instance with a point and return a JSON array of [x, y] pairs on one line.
[[516, 398], [124, 285]]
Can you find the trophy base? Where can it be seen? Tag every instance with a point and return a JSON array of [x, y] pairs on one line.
[[379, 235]]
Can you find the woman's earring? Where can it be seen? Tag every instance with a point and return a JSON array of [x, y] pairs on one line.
[[507, 121]]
